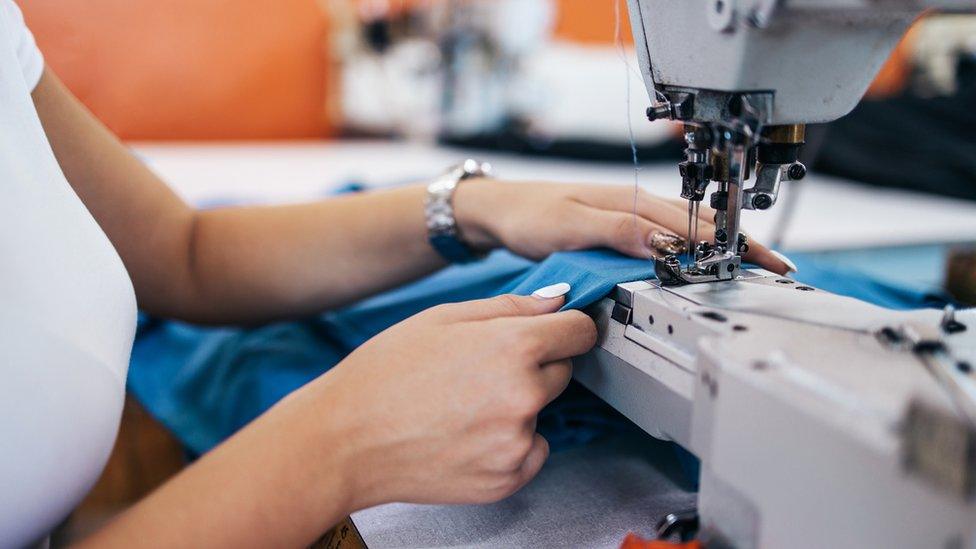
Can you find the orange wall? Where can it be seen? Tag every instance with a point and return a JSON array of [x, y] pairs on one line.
[[591, 21], [191, 69]]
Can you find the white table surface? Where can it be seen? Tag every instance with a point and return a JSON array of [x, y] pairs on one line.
[[832, 214], [590, 497]]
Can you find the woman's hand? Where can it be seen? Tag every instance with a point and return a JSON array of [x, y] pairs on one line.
[[442, 407], [536, 219], [439, 408]]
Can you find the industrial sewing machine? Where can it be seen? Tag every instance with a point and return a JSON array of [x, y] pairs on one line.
[[820, 420]]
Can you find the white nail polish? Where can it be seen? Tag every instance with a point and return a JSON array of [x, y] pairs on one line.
[[553, 291], [789, 263]]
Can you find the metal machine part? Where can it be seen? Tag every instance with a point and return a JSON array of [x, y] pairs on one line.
[[756, 72], [820, 420]]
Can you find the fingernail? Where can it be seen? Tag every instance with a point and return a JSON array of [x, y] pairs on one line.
[[667, 243], [789, 263], [552, 292]]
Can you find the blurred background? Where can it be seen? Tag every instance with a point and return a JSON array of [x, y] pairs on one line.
[[534, 75], [271, 100], [534, 78]]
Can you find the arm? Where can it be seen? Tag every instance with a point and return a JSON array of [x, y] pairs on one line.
[[234, 264], [241, 265]]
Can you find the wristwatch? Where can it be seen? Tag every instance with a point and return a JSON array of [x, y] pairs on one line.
[[442, 229]]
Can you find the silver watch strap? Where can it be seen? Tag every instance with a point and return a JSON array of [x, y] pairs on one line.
[[442, 229]]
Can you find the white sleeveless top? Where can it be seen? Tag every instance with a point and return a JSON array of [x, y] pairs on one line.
[[67, 316]]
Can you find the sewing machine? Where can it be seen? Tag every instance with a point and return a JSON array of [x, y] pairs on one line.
[[820, 420]]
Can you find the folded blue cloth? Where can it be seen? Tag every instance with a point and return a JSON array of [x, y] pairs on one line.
[[205, 383]]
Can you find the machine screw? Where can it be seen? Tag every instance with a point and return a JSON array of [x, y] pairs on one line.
[[659, 112], [721, 236], [683, 524], [719, 200], [949, 323], [758, 19], [743, 243], [762, 201], [797, 171]]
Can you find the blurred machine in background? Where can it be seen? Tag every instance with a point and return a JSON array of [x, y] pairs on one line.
[[494, 74], [921, 136]]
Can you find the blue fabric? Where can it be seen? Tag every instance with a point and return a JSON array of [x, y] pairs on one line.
[[205, 383]]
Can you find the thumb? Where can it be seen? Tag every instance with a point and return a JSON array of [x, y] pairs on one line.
[[548, 299]]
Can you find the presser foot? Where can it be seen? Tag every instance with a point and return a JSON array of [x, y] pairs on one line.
[[714, 267]]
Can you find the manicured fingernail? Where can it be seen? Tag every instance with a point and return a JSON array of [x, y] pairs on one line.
[[552, 292], [667, 243], [789, 263]]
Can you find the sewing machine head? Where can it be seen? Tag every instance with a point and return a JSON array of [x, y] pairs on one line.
[[745, 76]]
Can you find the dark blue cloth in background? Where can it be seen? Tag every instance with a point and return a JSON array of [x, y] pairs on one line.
[[206, 383]]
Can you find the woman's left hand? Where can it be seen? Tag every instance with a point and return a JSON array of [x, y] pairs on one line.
[[537, 219]]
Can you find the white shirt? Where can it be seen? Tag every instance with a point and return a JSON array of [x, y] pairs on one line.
[[67, 316]]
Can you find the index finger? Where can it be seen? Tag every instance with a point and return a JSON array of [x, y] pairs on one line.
[[705, 213], [673, 215]]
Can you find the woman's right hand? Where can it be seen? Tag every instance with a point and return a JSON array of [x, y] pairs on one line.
[[442, 407]]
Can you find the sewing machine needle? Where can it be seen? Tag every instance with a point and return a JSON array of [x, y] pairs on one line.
[[691, 239]]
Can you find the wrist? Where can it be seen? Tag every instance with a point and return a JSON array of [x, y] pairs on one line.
[[315, 430], [475, 211], [347, 441]]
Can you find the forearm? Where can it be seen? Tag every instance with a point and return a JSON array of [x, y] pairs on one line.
[[266, 262], [280, 482]]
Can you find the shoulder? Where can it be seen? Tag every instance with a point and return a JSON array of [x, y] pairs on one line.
[[28, 55]]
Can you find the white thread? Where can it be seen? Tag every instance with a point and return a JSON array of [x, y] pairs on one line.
[[621, 51]]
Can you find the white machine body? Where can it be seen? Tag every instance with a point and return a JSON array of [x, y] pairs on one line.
[[816, 57], [820, 420]]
